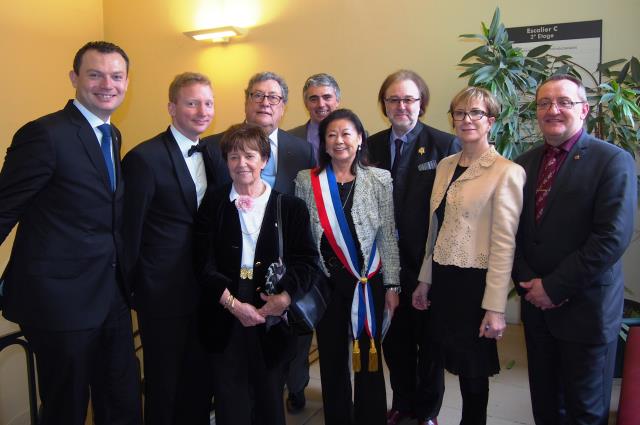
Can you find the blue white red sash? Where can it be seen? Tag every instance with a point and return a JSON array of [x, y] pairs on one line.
[[338, 234]]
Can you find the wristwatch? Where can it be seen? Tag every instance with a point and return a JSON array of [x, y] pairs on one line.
[[396, 289]]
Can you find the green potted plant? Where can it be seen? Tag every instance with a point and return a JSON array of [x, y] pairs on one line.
[[513, 76]]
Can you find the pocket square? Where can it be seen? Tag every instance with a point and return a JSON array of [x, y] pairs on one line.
[[429, 165]]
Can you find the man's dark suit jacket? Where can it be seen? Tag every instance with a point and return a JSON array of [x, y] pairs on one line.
[[294, 154], [412, 191], [160, 207], [300, 131], [54, 182], [218, 253], [576, 248]]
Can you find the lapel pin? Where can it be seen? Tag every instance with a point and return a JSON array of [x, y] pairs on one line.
[[576, 157], [421, 150]]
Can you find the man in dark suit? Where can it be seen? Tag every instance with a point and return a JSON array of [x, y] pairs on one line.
[[266, 96], [61, 182], [577, 221], [410, 150], [321, 96], [167, 177]]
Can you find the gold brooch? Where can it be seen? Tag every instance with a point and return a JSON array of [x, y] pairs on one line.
[[246, 273], [421, 150]]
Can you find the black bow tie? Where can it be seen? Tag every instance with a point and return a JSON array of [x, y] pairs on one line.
[[199, 147]]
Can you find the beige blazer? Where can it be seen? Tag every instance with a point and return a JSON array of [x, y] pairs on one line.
[[480, 223]]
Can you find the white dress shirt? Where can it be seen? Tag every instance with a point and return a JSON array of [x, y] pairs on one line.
[[94, 122], [195, 163], [251, 223]]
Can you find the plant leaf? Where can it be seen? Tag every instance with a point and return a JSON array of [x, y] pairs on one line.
[[635, 69], [605, 66], [623, 73], [495, 22], [472, 36], [478, 51], [537, 51]]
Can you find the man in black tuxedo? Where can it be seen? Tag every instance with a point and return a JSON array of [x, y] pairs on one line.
[[266, 96], [167, 177], [61, 182], [410, 150], [577, 221]]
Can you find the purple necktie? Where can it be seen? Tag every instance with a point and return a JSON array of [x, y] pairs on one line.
[[396, 160]]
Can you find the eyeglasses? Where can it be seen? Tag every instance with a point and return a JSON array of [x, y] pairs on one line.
[[396, 101], [563, 103], [474, 115], [259, 97]]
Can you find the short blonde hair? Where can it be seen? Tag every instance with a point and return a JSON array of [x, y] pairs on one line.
[[464, 96], [186, 79]]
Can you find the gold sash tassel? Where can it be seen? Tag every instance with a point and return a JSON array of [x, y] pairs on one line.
[[373, 357], [355, 357]]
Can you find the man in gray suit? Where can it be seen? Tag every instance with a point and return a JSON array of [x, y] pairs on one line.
[[266, 96], [321, 95]]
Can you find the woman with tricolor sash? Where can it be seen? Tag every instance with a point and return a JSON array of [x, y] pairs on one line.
[[351, 209]]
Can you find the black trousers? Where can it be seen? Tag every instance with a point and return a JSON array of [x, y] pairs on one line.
[[298, 368], [99, 362], [570, 382], [417, 386], [369, 403], [177, 373], [246, 391]]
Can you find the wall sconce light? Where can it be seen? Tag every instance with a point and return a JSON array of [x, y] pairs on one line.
[[217, 35]]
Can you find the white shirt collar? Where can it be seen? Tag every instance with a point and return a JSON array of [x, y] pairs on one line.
[[93, 119], [262, 199], [274, 137], [184, 143]]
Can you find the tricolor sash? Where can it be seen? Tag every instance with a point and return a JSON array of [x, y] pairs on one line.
[[336, 230]]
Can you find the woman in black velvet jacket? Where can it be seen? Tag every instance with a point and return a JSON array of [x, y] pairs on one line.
[[244, 325]]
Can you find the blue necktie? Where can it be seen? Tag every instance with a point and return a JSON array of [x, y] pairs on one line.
[[269, 172], [105, 129]]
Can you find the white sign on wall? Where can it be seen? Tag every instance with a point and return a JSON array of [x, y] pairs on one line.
[[580, 40]]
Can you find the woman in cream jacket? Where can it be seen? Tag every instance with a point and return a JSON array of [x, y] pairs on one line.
[[475, 209]]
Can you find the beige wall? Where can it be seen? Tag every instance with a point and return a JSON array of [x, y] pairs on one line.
[[38, 39], [358, 41]]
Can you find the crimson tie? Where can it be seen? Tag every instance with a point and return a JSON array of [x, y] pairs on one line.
[[545, 181]]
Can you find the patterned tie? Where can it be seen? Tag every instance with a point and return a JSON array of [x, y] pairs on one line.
[[396, 160], [269, 171], [105, 129], [547, 176]]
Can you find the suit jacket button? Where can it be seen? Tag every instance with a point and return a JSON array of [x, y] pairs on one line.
[[113, 265]]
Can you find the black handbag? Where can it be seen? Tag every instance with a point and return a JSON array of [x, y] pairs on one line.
[[307, 308]]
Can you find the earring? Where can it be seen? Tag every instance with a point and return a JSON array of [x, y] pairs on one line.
[[359, 147]]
